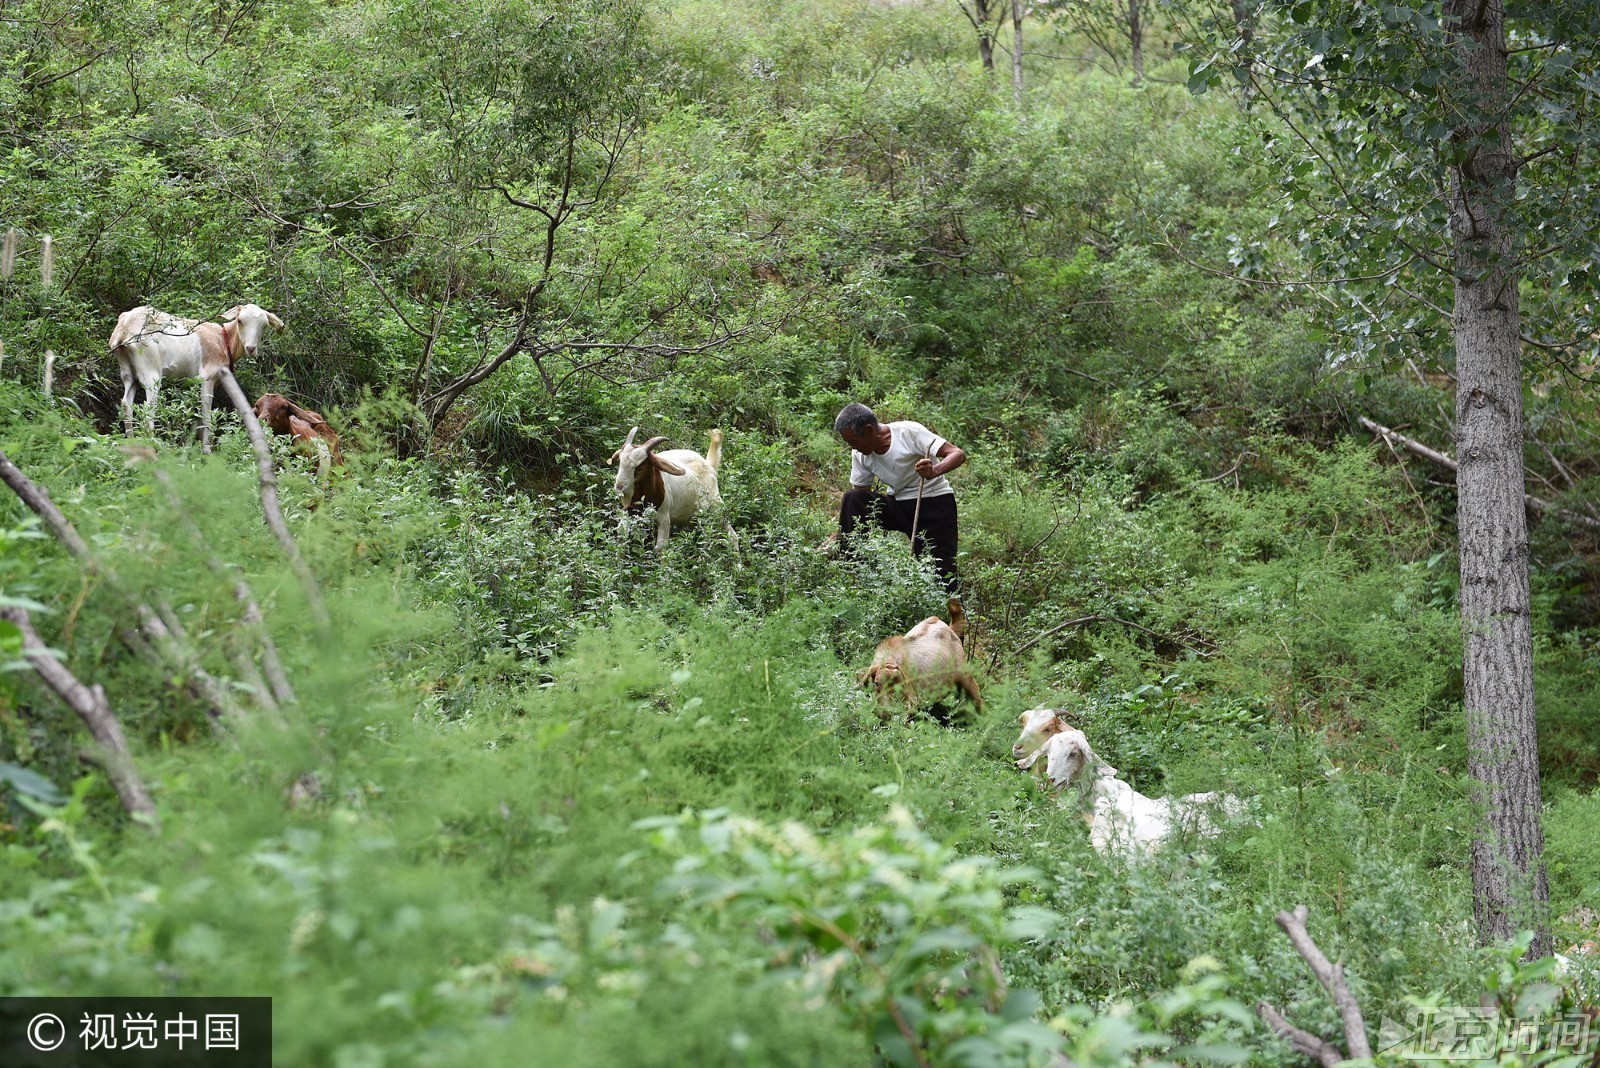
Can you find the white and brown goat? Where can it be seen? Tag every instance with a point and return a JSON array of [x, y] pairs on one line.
[[1120, 819], [680, 483], [926, 661], [151, 345]]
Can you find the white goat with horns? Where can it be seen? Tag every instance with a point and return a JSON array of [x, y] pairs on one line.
[[1120, 818], [679, 482]]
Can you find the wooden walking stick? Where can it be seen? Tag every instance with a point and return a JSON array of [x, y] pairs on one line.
[[916, 513]]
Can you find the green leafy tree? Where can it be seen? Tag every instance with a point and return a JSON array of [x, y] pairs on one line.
[[1448, 154]]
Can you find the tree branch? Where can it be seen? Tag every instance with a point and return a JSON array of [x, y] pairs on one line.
[[280, 690], [1319, 1049], [267, 477], [154, 641], [91, 706], [1440, 459], [1331, 976]]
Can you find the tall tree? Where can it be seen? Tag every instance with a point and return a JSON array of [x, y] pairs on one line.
[[986, 17], [1410, 127], [1497, 632], [1016, 50]]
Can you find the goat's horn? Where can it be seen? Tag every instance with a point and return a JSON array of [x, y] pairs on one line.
[[653, 442], [628, 441]]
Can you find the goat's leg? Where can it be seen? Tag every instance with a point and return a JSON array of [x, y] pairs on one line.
[[152, 387], [663, 529], [207, 386], [128, 385], [970, 685]]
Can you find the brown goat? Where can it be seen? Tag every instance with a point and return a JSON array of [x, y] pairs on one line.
[[925, 660], [310, 431]]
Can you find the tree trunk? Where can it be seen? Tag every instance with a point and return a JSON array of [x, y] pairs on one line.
[[1016, 51], [1509, 887], [986, 16], [1243, 23], [1136, 40]]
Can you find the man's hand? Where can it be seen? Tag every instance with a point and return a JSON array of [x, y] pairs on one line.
[[926, 468]]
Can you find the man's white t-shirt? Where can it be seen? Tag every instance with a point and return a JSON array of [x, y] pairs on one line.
[[896, 469]]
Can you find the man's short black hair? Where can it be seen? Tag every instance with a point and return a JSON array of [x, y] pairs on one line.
[[855, 418]]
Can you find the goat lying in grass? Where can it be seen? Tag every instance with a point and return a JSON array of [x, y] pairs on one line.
[[1039, 725], [927, 660], [1120, 818], [308, 429], [679, 482]]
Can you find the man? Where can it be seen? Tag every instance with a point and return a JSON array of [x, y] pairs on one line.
[[902, 455]]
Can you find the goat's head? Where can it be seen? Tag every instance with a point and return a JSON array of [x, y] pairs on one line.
[[1039, 725], [274, 410], [1066, 755], [881, 676], [637, 468], [249, 323]]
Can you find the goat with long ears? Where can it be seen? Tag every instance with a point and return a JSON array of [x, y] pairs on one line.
[[151, 345], [1120, 819], [679, 483]]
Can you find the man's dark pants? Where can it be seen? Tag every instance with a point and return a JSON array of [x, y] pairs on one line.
[[936, 526]]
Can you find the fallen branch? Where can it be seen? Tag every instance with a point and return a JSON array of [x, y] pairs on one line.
[[1230, 471], [89, 702], [154, 640], [1319, 1049], [267, 476], [1434, 456], [1058, 628], [1331, 976]]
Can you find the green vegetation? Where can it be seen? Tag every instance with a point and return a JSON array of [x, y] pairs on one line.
[[544, 790]]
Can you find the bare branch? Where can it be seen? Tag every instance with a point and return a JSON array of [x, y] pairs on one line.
[[268, 479], [1321, 1050], [1082, 621], [154, 641], [1436, 457], [280, 690], [1331, 976], [91, 706]]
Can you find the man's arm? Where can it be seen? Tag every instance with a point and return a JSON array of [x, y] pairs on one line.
[[950, 458]]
